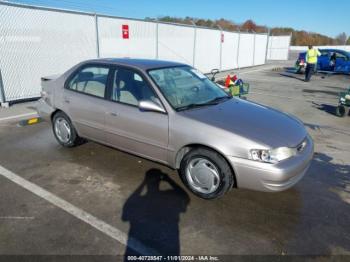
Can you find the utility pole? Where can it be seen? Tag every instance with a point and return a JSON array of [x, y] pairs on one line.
[[221, 40], [194, 43]]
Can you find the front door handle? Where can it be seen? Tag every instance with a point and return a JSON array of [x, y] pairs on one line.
[[66, 100]]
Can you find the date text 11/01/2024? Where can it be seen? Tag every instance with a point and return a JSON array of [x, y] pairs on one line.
[[172, 258]]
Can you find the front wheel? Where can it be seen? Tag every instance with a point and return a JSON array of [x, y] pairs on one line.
[[340, 111], [206, 173]]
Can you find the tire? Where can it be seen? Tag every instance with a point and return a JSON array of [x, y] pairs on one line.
[[298, 68], [213, 169], [64, 131], [340, 111]]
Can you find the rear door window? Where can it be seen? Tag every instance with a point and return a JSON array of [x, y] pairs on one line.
[[324, 53], [90, 80], [342, 56]]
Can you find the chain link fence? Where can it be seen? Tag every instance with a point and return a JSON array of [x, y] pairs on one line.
[[37, 41]]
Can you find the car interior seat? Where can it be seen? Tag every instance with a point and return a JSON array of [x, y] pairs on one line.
[[125, 89], [87, 83]]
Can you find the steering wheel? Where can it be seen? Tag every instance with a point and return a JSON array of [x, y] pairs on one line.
[[170, 83]]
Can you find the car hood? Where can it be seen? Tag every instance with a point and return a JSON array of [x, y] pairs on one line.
[[261, 124]]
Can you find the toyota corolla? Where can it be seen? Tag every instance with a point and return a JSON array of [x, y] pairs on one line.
[[171, 113]]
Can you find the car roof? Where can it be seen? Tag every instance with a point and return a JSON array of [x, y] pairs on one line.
[[144, 64], [333, 50]]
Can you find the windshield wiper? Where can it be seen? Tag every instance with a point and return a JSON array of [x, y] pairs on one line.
[[214, 101], [218, 99], [181, 108]]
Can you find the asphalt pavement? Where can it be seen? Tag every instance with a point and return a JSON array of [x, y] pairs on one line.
[[97, 201]]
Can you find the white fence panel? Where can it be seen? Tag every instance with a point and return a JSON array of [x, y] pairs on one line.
[[246, 50], [35, 43], [207, 54], [278, 48], [140, 44], [260, 49], [176, 43], [229, 51]]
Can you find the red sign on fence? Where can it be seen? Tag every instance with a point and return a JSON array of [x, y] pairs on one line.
[[222, 37], [125, 31]]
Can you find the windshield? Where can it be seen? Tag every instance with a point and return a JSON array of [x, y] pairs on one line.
[[185, 87]]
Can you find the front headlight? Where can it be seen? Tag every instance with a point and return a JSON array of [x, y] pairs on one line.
[[273, 155]]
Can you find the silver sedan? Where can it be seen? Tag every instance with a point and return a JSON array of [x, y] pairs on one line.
[[173, 114]]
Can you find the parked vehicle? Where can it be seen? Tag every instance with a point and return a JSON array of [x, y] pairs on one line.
[[333, 60], [171, 113]]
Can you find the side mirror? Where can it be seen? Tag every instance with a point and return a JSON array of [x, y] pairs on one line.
[[148, 105]]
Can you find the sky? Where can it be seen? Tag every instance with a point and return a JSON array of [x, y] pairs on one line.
[[322, 16]]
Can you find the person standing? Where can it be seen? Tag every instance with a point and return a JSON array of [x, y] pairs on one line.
[[333, 60], [311, 58]]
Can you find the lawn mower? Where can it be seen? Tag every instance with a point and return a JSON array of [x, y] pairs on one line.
[[344, 103]]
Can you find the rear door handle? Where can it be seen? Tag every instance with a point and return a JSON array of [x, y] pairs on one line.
[[112, 114], [66, 100]]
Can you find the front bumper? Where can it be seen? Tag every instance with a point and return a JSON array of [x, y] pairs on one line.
[[272, 177]]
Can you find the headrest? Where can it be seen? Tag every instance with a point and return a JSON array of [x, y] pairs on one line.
[[85, 76]]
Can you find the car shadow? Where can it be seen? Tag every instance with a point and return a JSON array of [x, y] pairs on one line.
[[327, 92], [292, 76], [154, 214], [290, 70], [325, 212], [312, 218], [330, 109]]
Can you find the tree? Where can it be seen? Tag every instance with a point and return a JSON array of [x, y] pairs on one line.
[[299, 38], [341, 38], [348, 42], [226, 24], [249, 25]]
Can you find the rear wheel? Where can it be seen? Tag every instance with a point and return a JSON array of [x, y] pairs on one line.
[[297, 67], [206, 173], [64, 131]]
